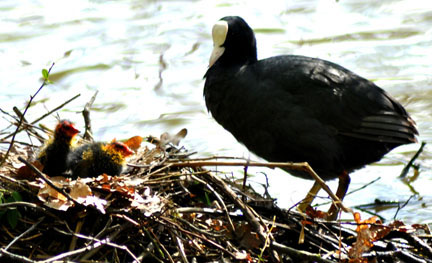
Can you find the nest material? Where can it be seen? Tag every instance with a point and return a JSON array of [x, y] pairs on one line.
[[167, 208]]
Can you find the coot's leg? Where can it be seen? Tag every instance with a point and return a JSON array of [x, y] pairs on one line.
[[344, 181], [309, 197]]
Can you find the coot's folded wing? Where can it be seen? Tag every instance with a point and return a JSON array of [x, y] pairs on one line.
[[358, 107]]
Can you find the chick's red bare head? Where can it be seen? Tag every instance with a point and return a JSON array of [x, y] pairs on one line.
[[121, 148], [66, 128]]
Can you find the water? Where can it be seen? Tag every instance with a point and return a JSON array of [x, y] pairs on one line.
[[147, 59]]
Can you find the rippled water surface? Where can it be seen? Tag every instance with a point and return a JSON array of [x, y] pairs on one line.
[[147, 59]]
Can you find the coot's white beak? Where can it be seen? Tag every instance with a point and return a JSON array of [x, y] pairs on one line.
[[219, 34]]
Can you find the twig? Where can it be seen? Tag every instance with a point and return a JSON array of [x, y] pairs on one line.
[[410, 163], [247, 211], [27, 125], [400, 207], [24, 233], [46, 180], [161, 246], [351, 192], [22, 118], [88, 135], [202, 231], [98, 243], [55, 109], [261, 229], [219, 198], [203, 210], [15, 257], [304, 255], [109, 239], [31, 205], [45, 115], [180, 246], [291, 166], [179, 228], [245, 168]]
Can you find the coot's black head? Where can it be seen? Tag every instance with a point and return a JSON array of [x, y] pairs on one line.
[[234, 43]]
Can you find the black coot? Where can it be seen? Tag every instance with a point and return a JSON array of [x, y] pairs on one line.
[[296, 108]]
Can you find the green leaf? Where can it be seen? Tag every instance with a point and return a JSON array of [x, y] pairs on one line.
[[16, 196], [12, 217], [45, 74], [207, 198]]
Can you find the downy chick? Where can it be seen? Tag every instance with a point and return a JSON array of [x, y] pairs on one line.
[[91, 160], [53, 155]]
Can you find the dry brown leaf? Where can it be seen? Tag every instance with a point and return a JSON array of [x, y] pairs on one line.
[[248, 238], [26, 173], [134, 143], [47, 191], [79, 190], [51, 197], [82, 193], [365, 238]]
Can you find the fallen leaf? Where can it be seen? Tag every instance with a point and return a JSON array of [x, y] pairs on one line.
[[365, 237], [134, 143], [26, 173]]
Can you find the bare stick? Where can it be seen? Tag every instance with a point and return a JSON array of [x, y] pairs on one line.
[[219, 198], [86, 114], [291, 166], [46, 180], [410, 163], [24, 233], [27, 126], [55, 109], [97, 243], [261, 229], [45, 115], [22, 117], [15, 257]]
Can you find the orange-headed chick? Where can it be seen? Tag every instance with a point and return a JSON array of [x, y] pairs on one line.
[[91, 160], [53, 156]]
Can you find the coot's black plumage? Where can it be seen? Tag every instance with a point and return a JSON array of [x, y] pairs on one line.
[[296, 108]]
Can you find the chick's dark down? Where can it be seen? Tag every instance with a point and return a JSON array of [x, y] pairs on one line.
[[94, 159], [53, 156]]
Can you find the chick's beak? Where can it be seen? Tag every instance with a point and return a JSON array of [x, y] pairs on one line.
[[72, 131]]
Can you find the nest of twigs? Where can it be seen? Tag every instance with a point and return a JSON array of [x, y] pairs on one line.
[[167, 208]]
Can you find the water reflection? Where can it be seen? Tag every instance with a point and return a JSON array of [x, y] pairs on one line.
[[116, 47]]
